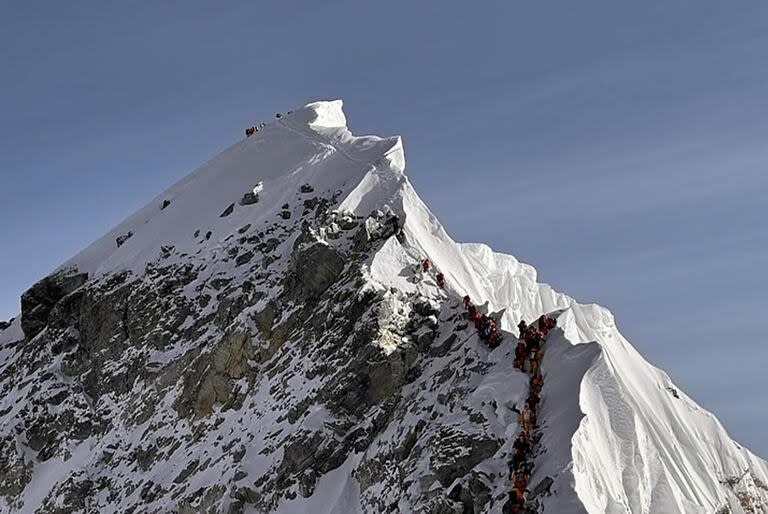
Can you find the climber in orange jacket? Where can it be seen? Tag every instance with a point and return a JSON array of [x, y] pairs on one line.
[[528, 418]]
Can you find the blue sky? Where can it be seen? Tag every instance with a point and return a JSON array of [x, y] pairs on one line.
[[621, 149]]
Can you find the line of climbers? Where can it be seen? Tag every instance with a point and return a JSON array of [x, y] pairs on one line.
[[249, 131], [521, 466], [485, 325], [528, 356], [426, 264]]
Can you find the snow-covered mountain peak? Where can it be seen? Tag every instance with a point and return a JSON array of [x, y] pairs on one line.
[[263, 337], [324, 114], [309, 147]]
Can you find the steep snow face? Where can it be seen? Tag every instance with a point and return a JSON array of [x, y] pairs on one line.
[[257, 334], [642, 445]]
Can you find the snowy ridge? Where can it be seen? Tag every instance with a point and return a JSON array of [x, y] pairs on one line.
[[619, 437], [665, 453]]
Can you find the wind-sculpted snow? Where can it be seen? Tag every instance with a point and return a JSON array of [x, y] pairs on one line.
[[261, 338]]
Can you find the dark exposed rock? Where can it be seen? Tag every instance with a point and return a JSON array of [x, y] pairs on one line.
[[15, 473], [249, 199], [542, 488], [307, 482], [38, 301], [243, 258], [313, 269], [229, 210], [459, 453], [387, 376], [307, 188], [166, 203], [120, 240]]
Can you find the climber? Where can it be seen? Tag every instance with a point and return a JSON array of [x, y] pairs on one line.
[[250, 131], [533, 339], [534, 399], [477, 318], [467, 302], [521, 353], [516, 502], [519, 484], [536, 382], [425, 264], [551, 322], [441, 280], [546, 324], [485, 327], [535, 360], [522, 327], [522, 445], [494, 339], [401, 235], [528, 418], [278, 115]]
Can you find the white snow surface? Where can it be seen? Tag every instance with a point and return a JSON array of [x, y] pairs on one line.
[[618, 439]]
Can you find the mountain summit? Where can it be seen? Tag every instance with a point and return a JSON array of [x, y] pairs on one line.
[[263, 337]]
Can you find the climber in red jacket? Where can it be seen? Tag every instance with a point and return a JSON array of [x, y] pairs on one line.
[[425, 264], [441, 280]]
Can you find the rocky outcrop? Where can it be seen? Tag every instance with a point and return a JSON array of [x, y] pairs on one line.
[[228, 363], [15, 473], [39, 300], [121, 239], [313, 269]]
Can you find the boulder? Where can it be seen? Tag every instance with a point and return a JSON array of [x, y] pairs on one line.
[[229, 210], [120, 240]]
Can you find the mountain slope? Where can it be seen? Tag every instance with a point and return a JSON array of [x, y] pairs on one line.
[[227, 351]]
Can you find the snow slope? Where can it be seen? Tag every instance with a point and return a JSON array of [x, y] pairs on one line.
[[619, 437]]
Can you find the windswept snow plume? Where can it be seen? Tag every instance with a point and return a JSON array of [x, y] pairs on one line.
[[262, 337]]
